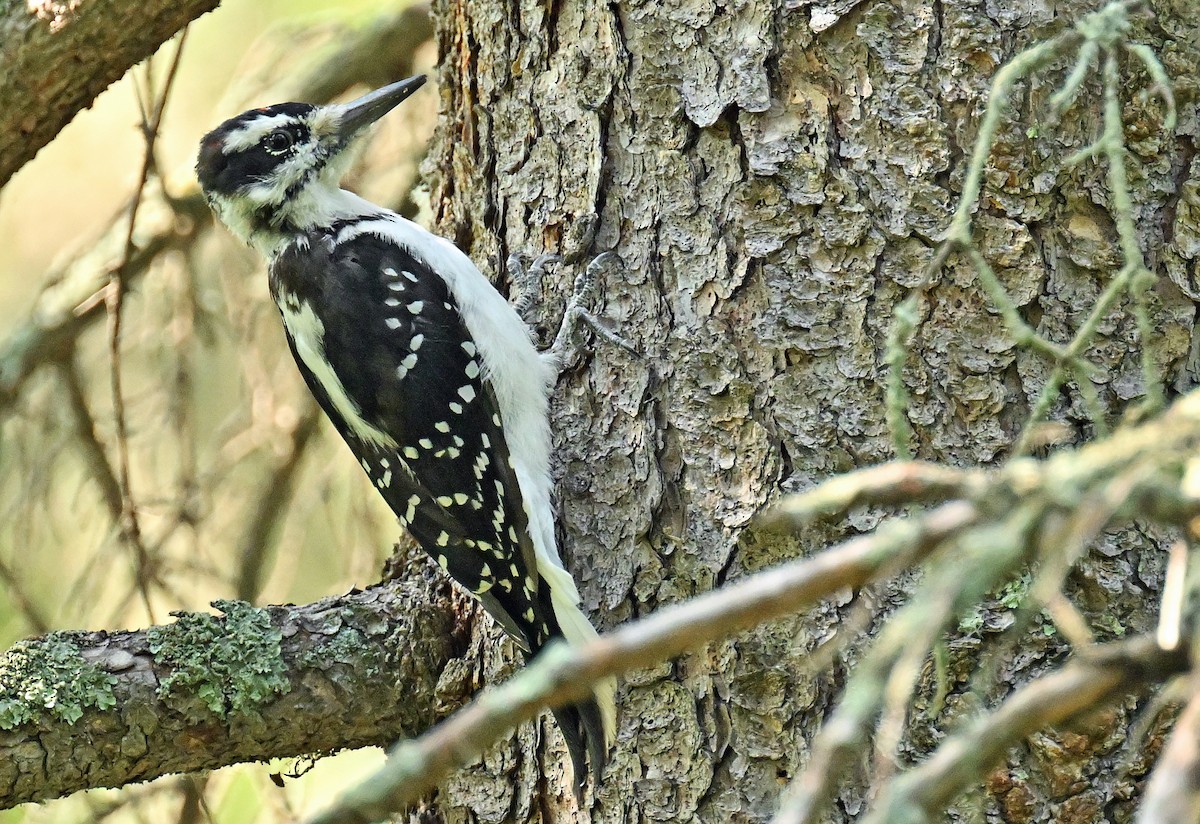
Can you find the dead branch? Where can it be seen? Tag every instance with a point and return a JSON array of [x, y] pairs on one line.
[[563, 675]]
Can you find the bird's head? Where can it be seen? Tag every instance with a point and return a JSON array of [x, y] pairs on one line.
[[272, 171]]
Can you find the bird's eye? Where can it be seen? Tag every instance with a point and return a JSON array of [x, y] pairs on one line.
[[278, 141]]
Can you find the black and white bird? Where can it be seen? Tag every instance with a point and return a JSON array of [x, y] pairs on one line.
[[427, 372]]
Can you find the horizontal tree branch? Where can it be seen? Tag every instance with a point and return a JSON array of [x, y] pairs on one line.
[[56, 57], [351, 671], [363, 669]]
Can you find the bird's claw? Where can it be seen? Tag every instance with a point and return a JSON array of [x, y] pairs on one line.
[[567, 343]]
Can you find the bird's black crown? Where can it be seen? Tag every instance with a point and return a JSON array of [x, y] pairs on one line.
[[224, 167]]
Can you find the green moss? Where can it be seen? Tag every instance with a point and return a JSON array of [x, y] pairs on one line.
[[229, 666], [48, 677]]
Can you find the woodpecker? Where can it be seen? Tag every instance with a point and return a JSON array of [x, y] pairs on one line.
[[425, 370]]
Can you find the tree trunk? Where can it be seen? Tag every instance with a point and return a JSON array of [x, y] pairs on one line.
[[776, 179]]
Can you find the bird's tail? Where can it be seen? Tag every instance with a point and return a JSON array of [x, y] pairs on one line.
[[589, 727], [582, 728]]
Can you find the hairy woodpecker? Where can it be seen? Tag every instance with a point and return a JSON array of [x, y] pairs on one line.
[[426, 371]]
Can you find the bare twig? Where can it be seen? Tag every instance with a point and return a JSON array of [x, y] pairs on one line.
[[114, 300], [900, 482], [1095, 678], [93, 451], [1173, 794], [563, 675]]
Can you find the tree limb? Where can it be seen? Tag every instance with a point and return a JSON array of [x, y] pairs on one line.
[[57, 56], [345, 672]]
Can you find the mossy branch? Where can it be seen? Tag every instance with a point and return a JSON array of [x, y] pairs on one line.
[[83, 710]]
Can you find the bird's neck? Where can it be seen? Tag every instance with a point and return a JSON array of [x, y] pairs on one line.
[[268, 228]]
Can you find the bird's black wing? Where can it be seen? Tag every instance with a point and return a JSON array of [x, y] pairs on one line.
[[393, 336]]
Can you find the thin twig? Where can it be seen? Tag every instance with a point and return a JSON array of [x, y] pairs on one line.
[[114, 302], [94, 455], [1095, 678], [899, 482]]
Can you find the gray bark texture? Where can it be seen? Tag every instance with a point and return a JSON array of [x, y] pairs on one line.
[[42, 44], [776, 178]]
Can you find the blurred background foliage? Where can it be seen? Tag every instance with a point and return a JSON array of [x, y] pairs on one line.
[[240, 488]]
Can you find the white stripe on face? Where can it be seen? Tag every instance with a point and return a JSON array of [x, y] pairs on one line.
[[249, 135]]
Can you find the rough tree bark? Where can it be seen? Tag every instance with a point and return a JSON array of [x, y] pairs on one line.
[[775, 177]]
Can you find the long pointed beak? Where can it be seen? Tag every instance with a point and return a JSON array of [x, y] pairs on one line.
[[358, 114]]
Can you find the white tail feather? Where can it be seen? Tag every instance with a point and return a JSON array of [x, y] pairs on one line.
[[578, 630]]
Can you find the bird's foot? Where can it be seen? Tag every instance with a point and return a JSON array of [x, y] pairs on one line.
[[569, 341], [527, 284]]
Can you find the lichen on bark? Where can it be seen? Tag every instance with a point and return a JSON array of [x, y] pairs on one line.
[[49, 677], [229, 665]]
